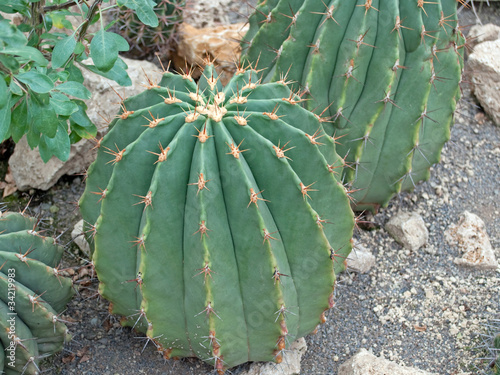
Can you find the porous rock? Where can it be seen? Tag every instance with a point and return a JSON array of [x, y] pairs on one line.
[[364, 363], [484, 67], [220, 44], [408, 229], [289, 366], [28, 169], [361, 259], [469, 234]]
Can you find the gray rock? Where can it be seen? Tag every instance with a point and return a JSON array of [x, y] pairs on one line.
[[484, 66], [472, 240], [28, 169], [361, 259], [289, 366], [482, 33], [408, 229], [364, 362]]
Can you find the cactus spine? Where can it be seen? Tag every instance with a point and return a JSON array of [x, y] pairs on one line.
[[32, 296], [216, 219], [388, 73]]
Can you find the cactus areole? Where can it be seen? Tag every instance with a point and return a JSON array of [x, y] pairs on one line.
[[385, 72], [217, 221]]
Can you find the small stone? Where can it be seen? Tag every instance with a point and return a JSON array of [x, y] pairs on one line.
[[289, 366], [54, 209], [408, 229], [94, 321], [221, 42], [472, 240], [364, 362], [360, 260], [484, 65], [79, 238]]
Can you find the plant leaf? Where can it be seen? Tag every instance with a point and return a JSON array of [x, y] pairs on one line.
[[59, 146], [103, 50], [42, 117], [19, 124], [5, 117], [75, 89], [144, 10], [26, 52], [118, 73], [62, 51], [37, 82], [62, 104], [4, 92]]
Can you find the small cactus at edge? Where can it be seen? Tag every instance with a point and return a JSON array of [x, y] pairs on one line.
[[144, 39], [387, 72], [216, 218], [33, 294], [491, 347]]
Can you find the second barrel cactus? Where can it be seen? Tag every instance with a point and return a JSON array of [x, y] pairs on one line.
[[385, 72], [216, 218], [143, 39]]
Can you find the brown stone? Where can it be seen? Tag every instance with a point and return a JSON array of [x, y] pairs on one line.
[[220, 44]]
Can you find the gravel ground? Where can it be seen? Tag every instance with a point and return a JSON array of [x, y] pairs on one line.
[[416, 308]]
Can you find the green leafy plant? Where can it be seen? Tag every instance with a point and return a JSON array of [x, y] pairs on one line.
[[385, 72], [41, 83], [33, 294], [216, 219]]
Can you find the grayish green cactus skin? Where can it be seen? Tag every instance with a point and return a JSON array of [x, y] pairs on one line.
[[387, 72], [32, 296], [217, 222]]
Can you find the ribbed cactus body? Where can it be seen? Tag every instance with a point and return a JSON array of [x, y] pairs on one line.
[[216, 218], [144, 39], [388, 73], [32, 296]]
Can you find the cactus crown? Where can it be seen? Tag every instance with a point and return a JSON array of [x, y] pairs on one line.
[[217, 222], [387, 72], [33, 294]]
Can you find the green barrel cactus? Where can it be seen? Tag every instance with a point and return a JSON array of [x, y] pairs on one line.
[[33, 294], [216, 219], [386, 74], [143, 39]]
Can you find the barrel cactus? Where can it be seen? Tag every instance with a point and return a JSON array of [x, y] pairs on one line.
[[387, 72], [33, 294], [143, 39], [216, 219]]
